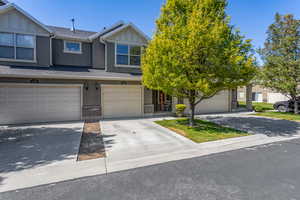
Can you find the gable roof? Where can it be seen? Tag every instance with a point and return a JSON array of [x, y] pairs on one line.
[[10, 6], [106, 30], [68, 33], [106, 35]]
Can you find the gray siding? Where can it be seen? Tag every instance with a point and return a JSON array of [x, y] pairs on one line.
[[111, 62], [68, 59], [98, 55], [42, 54]]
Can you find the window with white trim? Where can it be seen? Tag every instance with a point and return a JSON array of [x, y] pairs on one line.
[[128, 55], [72, 47], [17, 46]]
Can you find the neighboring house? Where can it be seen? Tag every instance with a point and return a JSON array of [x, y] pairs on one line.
[[50, 73], [261, 94]]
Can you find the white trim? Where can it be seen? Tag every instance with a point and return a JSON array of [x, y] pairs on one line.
[[73, 52], [129, 55], [92, 37], [129, 43], [72, 38], [138, 78], [15, 49], [9, 6], [124, 27], [17, 60]]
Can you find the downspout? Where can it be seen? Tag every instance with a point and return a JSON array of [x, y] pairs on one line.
[[51, 54], [105, 47]]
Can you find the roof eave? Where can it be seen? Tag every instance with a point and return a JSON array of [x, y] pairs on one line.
[[119, 23], [70, 77], [105, 36]]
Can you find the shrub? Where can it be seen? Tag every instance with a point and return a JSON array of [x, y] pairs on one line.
[[259, 108], [180, 109]]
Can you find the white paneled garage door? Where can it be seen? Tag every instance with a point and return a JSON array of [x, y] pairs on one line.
[[122, 101], [30, 103], [274, 97], [217, 104]]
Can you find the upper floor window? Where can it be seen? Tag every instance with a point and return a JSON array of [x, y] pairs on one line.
[[128, 55], [16, 46], [72, 47]]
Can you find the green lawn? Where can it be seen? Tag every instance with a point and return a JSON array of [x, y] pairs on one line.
[[204, 131], [265, 106], [279, 115]]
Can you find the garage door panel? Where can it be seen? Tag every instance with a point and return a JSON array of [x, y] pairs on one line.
[[218, 103], [27, 104], [121, 101]]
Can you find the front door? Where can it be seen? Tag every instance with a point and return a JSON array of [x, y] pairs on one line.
[[162, 102]]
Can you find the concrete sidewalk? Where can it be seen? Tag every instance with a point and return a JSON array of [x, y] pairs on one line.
[[60, 172]]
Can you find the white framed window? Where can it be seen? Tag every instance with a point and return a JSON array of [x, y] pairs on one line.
[[72, 47], [17, 47], [128, 55]]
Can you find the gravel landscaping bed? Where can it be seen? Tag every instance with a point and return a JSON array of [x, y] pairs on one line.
[[91, 144]]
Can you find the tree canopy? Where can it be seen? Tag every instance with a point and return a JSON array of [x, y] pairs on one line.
[[195, 52], [281, 56]]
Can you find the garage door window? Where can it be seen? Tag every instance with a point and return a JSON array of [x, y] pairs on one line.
[[17, 46]]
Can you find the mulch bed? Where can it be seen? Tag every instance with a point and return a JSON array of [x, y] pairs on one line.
[[91, 144]]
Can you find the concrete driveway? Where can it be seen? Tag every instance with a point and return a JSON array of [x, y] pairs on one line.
[[32, 146], [28, 152], [139, 138]]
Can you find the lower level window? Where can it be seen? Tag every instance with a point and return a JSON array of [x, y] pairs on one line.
[[17, 46]]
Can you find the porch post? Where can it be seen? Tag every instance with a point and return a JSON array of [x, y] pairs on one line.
[[249, 97]]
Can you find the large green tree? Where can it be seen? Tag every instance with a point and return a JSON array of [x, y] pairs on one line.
[[195, 53], [281, 56]]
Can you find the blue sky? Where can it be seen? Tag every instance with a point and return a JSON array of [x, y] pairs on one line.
[[252, 17]]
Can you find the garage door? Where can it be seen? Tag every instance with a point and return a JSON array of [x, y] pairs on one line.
[[122, 101], [39, 103], [274, 97], [217, 104]]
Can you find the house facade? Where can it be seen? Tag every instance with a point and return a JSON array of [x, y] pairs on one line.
[[50, 73], [261, 94]]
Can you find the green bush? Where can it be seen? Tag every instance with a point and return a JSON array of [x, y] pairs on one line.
[[180, 109], [259, 108]]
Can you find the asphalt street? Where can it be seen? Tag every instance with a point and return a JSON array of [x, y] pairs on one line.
[[258, 173]]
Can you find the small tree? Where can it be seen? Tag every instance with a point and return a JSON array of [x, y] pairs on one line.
[[281, 55], [195, 53]]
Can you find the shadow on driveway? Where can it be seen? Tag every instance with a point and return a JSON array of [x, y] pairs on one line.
[[28, 147], [259, 125]]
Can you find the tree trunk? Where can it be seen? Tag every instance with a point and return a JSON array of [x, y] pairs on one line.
[[296, 109], [192, 100], [249, 97], [192, 117]]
